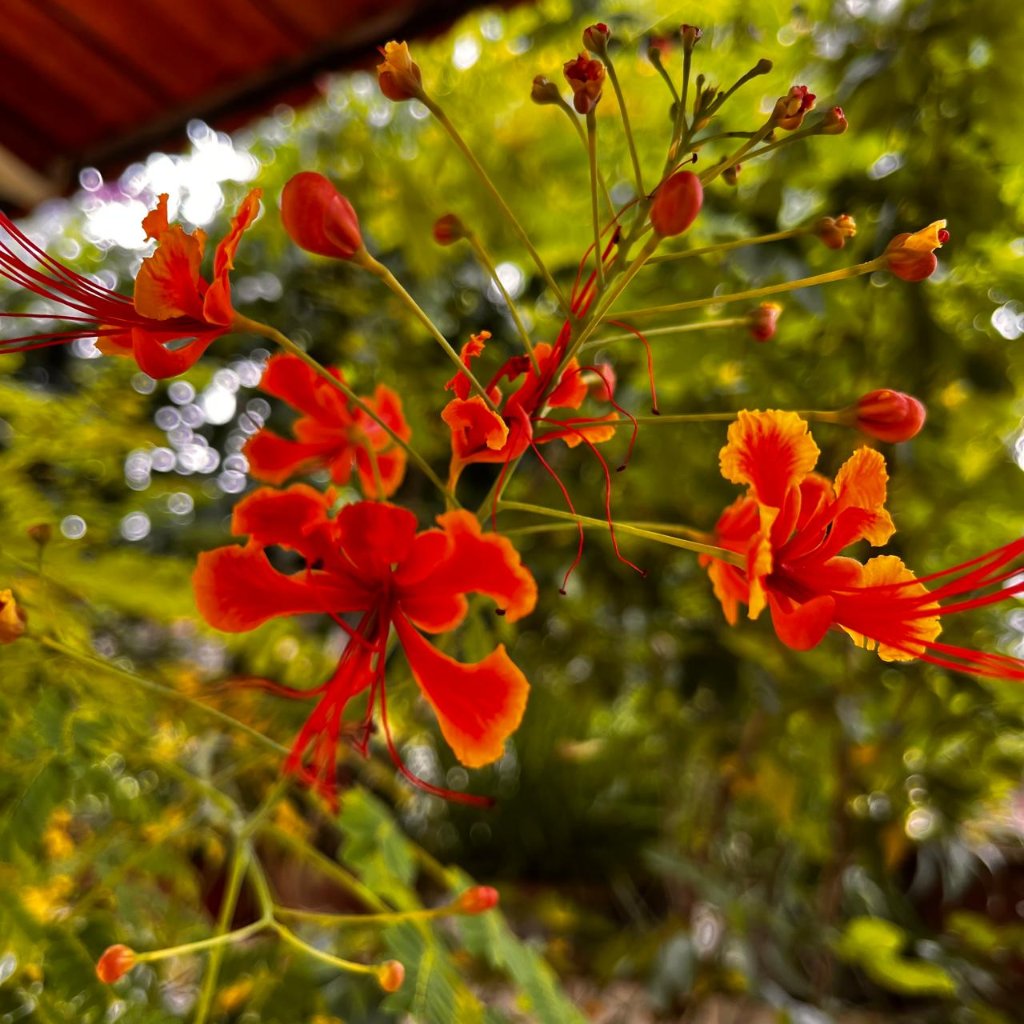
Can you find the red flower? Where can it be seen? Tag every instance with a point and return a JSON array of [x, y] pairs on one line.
[[172, 302], [331, 433], [585, 76], [369, 561], [791, 527]]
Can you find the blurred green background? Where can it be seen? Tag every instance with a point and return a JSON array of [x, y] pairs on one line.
[[692, 819]]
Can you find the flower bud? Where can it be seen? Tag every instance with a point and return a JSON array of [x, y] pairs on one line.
[[399, 75], [657, 48], [691, 36], [790, 109], [834, 231], [731, 175], [115, 962], [12, 618], [586, 78], [390, 975], [477, 900], [834, 122], [676, 203], [318, 218], [887, 415], [911, 256], [41, 533], [449, 229], [544, 91], [761, 322], [595, 38]]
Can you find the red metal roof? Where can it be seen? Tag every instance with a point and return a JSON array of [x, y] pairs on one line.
[[102, 82]]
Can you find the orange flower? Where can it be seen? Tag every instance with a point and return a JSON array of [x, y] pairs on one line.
[[791, 527], [331, 433], [370, 562], [12, 618], [172, 302], [585, 76], [399, 75]]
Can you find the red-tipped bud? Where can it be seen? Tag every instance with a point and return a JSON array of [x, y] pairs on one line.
[[477, 900], [399, 75], [834, 122], [448, 229], [595, 38], [691, 35], [544, 91], [12, 618], [887, 415], [731, 175], [676, 204], [390, 975], [586, 79], [40, 533], [761, 322], [657, 48], [790, 109], [834, 231], [114, 963], [911, 256], [318, 218]]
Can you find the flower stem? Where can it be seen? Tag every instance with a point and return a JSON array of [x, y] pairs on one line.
[[274, 335], [734, 158], [200, 946], [677, 542], [705, 325], [592, 157], [758, 293], [375, 267], [627, 130], [475, 164], [318, 954], [737, 243], [391, 917]]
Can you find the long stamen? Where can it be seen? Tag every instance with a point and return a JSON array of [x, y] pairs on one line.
[[572, 508], [650, 361]]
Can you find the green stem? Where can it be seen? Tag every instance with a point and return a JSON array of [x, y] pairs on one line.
[[734, 158], [592, 157], [286, 343], [571, 114], [375, 267], [227, 912], [188, 948], [477, 167], [677, 542], [488, 264], [738, 243], [614, 79], [759, 293], [394, 917], [158, 688], [318, 954], [706, 325]]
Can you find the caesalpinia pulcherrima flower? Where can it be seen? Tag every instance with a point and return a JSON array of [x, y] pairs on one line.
[[369, 562], [172, 303], [790, 109], [331, 434], [791, 527], [399, 75]]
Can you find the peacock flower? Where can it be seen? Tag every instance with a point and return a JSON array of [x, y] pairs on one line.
[[369, 566], [585, 76], [790, 529], [790, 109], [912, 256], [175, 314], [332, 433], [399, 75]]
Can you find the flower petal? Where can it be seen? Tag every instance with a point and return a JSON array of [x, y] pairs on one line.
[[478, 706], [802, 626], [289, 378], [771, 451], [154, 357], [286, 518], [217, 307], [274, 459], [167, 284], [375, 535]]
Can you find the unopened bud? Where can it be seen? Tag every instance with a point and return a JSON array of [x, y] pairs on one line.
[[318, 218], [477, 900], [12, 618], [676, 204], [731, 175], [657, 47], [790, 109], [834, 231], [114, 963], [399, 75], [911, 256], [390, 975], [586, 79], [887, 415], [691, 35], [761, 322], [41, 533], [834, 122], [544, 91], [595, 38], [449, 229]]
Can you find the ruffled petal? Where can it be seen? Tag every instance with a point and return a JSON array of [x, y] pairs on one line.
[[168, 282], [861, 484], [771, 451], [375, 536], [155, 222], [730, 587], [289, 378], [802, 626], [274, 459], [478, 706], [217, 307], [389, 466], [283, 518], [593, 430], [478, 435], [476, 563], [154, 357]]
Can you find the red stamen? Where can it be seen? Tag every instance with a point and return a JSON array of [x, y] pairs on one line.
[[650, 361], [572, 508]]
